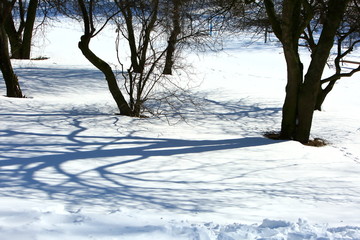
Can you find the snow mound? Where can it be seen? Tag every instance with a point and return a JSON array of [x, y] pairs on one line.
[[67, 224], [279, 230]]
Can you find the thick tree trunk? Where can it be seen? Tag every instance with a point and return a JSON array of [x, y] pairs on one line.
[[303, 94], [288, 32], [290, 107], [109, 75], [11, 80], [310, 89], [306, 105]]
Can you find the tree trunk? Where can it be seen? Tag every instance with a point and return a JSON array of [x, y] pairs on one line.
[[21, 38], [322, 94], [169, 61], [290, 107], [11, 80], [127, 13], [105, 68], [302, 93], [309, 90], [28, 30], [306, 105], [289, 110], [109, 75], [287, 31], [15, 37], [289, 39]]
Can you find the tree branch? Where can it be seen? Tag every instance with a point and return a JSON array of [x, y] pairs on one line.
[[337, 76], [274, 20]]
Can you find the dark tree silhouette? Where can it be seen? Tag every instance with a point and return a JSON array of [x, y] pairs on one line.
[[11, 80], [302, 90], [89, 33], [20, 36]]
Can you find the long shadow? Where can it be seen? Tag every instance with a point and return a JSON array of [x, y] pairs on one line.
[[116, 171], [73, 166], [39, 161]]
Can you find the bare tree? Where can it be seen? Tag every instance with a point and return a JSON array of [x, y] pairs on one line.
[[11, 81], [19, 28], [156, 32], [347, 39], [138, 25], [87, 14], [288, 24], [173, 38]]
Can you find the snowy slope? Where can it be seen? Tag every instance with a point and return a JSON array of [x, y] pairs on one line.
[[72, 169]]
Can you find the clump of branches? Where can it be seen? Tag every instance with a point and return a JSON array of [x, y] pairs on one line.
[[150, 39], [155, 33], [25, 18]]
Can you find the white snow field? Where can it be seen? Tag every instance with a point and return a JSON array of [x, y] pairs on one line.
[[70, 168]]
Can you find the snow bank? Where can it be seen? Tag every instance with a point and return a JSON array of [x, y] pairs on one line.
[[63, 224]]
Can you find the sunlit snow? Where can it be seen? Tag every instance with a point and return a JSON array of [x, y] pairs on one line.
[[70, 168]]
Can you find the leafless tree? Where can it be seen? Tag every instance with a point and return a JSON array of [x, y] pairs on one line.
[[289, 23], [87, 14], [19, 27], [156, 32], [346, 40], [11, 80]]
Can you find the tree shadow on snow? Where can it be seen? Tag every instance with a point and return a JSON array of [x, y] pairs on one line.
[[129, 171], [140, 172]]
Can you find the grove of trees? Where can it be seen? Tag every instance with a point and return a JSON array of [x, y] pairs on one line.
[[156, 31]]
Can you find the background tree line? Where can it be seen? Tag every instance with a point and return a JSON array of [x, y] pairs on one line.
[[156, 32]]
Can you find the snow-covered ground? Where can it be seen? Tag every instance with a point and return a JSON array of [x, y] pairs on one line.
[[72, 169]]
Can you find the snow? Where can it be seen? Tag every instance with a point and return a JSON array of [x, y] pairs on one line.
[[72, 169]]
